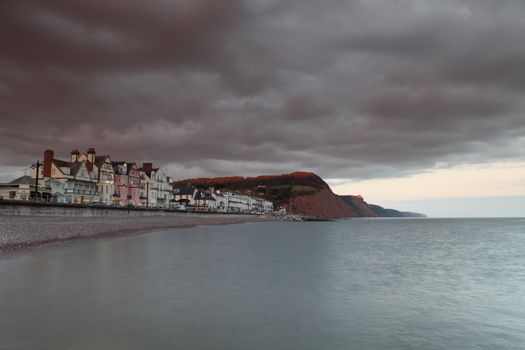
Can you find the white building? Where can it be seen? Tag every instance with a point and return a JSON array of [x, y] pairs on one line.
[[184, 195], [155, 188], [20, 189], [204, 201], [80, 185], [102, 170], [240, 203], [221, 201]]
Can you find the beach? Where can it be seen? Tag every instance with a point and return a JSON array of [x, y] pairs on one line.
[[20, 232]]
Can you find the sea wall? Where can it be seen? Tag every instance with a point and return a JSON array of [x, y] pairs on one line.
[[17, 208]]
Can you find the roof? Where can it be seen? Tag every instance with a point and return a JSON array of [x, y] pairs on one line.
[[61, 163], [185, 190], [204, 195], [23, 180], [128, 165], [146, 171], [116, 165], [74, 168], [100, 160]]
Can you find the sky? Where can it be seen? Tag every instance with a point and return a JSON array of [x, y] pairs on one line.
[[407, 102]]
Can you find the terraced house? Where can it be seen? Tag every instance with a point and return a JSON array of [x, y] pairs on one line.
[[127, 184], [155, 187], [102, 168]]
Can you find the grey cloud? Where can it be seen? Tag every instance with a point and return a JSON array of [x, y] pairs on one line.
[[356, 89]]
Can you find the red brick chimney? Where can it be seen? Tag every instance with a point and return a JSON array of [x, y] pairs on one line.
[[91, 155], [147, 166], [91, 158], [48, 160], [74, 155]]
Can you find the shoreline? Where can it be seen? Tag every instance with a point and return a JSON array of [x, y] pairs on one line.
[[26, 232]]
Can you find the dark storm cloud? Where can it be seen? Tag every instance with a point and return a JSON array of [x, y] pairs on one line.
[[344, 88]]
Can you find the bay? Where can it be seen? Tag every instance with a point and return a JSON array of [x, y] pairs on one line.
[[354, 284]]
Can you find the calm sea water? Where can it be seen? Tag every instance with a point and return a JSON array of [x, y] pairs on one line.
[[384, 284]]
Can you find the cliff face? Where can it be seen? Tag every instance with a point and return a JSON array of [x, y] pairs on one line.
[[308, 193], [358, 204], [385, 213], [321, 204], [392, 213]]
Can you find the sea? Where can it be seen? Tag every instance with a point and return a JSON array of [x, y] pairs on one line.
[[352, 284]]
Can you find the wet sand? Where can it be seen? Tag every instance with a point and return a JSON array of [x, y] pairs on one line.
[[21, 232]]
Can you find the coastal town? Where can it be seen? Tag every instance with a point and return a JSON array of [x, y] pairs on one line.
[[91, 179]]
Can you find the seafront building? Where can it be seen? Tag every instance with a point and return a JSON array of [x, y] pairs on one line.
[[127, 184], [71, 182], [20, 189], [155, 187], [184, 195], [102, 168], [220, 200], [86, 178], [203, 200]]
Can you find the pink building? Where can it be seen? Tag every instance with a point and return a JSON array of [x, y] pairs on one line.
[[127, 184]]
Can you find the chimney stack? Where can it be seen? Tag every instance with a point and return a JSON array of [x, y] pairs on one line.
[[90, 158], [74, 155], [48, 160], [147, 166], [91, 155]]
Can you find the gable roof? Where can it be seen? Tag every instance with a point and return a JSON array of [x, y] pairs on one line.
[[185, 190], [23, 180], [62, 163], [75, 167]]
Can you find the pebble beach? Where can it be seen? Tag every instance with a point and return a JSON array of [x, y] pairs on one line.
[[20, 232]]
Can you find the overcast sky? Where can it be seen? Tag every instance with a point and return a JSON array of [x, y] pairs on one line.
[[352, 90]]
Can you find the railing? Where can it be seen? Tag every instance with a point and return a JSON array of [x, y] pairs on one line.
[[92, 193]]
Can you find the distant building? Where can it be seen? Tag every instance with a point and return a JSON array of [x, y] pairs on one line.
[[238, 203], [221, 200], [184, 195], [204, 200], [260, 205], [241, 203]]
